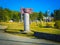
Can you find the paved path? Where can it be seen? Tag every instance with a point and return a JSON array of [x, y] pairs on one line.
[[9, 39]]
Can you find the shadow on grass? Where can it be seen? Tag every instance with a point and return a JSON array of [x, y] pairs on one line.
[[12, 31], [52, 37], [21, 33]]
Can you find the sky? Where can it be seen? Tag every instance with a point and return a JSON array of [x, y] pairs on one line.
[[36, 5]]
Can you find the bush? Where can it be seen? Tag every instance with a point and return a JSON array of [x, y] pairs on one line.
[[49, 24], [57, 24], [40, 25]]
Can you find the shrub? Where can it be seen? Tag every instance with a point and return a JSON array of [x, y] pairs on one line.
[[57, 24], [40, 25], [49, 24]]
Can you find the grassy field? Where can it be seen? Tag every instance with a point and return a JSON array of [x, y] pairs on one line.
[[17, 26]]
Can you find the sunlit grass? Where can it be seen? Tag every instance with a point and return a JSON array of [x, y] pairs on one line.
[[16, 27], [47, 30]]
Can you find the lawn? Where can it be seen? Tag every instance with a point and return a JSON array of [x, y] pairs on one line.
[[17, 26]]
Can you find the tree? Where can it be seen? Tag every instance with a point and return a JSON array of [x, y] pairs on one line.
[[40, 16], [52, 15], [16, 16], [33, 16], [1, 14], [6, 13], [57, 14], [57, 18], [46, 14]]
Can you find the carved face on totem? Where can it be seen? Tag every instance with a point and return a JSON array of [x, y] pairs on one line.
[[26, 10]]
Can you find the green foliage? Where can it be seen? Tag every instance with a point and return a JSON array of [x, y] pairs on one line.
[[57, 14], [40, 25], [40, 16], [1, 14], [49, 25], [46, 14], [16, 17], [7, 15], [52, 15], [57, 24], [33, 16], [57, 18]]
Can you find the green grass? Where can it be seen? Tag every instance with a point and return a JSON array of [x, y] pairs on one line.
[[13, 26], [47, 30], [16, 26]]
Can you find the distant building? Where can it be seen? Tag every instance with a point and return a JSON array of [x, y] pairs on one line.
[[47, 19]]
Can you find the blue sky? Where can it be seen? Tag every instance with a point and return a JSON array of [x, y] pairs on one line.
[[36, 5]]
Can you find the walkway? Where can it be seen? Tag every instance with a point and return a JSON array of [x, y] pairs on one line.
[[9, 39]]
